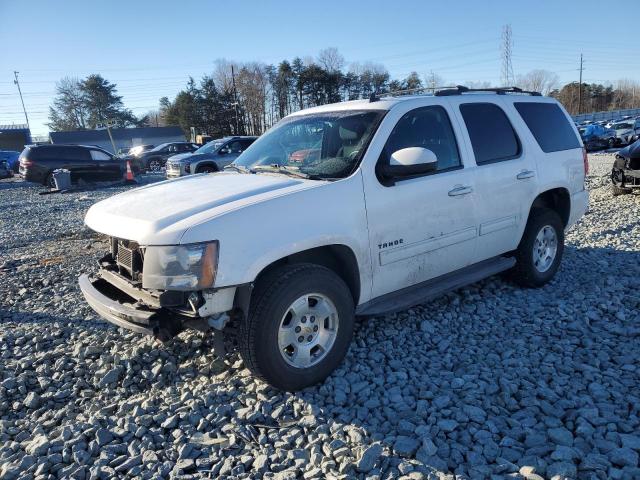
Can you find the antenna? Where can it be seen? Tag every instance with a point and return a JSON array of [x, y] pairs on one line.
[[507, 67]]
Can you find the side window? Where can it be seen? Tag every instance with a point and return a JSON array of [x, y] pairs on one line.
[[235, 146], [549, 126], [100, 156], [246, 143], [492, 136], [426, 127]]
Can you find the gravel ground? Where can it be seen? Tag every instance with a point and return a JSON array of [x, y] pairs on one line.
[[491, 381]]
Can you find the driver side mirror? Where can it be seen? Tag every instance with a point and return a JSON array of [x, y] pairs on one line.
[[407, 162]]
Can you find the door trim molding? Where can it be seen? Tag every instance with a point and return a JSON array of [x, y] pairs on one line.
[[498, 224], [421, 247]]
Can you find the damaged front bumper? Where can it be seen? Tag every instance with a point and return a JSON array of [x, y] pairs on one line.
[[159, 314]]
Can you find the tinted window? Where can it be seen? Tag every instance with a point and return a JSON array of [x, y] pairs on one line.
[[549, 126], [235, 146], [246, 142], [100, 155], [427, 127], [492, 136]]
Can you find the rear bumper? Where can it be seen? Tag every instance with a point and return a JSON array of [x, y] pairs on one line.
[[579, 206], [123, 315]]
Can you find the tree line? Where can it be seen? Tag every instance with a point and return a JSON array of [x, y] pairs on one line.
[[247, 98]]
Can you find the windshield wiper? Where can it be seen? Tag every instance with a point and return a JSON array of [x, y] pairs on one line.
[[284, 170], [237, 168]]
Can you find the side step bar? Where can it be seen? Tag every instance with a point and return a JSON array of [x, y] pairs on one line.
[[426, 291]]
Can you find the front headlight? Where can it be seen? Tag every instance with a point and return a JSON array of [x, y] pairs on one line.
[[180, 267]]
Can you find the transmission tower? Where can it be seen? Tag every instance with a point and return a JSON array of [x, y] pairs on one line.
[[507, 76]]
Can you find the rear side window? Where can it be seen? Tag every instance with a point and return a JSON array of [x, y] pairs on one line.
[[549, 126], [492, 136]]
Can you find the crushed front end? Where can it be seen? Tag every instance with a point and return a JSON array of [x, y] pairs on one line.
[[625, 173], [158, 290]]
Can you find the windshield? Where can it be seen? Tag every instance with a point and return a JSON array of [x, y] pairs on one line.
[[326, 145], [621, 126], [210, 147]]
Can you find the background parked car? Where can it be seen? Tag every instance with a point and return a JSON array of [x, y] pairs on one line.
[[12, 159], [155, 158], [212, 157], [5, 171], [37, 162], [624, 132], [595, 137]]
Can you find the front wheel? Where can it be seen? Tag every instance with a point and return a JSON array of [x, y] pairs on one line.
[[206, 169], [299, 326], [540, 251]]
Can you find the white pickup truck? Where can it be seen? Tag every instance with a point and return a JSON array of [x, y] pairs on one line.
[[358, 208]]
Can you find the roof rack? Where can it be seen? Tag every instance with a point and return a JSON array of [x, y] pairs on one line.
[[446, 91], [375, 96], [460, 89]]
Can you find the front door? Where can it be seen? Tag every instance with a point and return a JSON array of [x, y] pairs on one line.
[[421, 227]]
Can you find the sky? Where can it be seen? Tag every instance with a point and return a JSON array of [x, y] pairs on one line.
[[150, 48]]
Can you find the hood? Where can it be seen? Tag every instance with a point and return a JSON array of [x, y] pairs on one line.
[[160, 214], [179, 157], [190, 157], [632, 151]]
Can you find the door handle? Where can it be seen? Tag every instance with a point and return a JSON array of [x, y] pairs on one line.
[[523, 175], [460, 190]]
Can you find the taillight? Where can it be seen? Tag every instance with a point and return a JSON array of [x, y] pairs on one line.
[[585, 159]]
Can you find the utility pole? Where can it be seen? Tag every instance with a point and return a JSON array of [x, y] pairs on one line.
[[20, 92], [507, 66], [235, 97], [580, 88]]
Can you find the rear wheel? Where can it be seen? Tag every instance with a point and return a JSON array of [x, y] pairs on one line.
[[299, 326], [540, 251], [155, 165], [49, 181]]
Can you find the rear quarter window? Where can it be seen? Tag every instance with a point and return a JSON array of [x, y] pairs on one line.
[[549, 126]]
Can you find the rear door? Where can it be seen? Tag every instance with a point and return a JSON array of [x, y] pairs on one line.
[[107, 166], [505, 172]]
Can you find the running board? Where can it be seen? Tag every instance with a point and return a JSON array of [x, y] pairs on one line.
[[426, 291]]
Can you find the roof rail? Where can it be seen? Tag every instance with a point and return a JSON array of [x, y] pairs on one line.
[[460, 89], [375, 96]]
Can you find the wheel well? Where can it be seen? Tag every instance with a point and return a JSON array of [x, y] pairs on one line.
[[338, 258], [556, 199], [207, 164]]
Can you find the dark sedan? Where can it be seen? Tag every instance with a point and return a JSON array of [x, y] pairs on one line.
[[596, 137], [156, 158]]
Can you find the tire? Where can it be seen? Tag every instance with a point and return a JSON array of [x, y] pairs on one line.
[[619, 191], [155, 165], [207, 169], [531, 273], [271, 323], [49, 181]]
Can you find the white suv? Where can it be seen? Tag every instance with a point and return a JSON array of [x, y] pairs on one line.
[[358, 208]]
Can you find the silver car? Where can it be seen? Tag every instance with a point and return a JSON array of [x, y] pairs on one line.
[[211, 157], [626, 132]]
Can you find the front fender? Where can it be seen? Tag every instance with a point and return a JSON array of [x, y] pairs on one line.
[[256, 235]]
